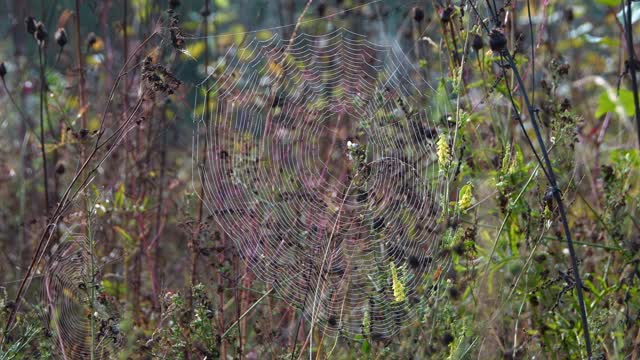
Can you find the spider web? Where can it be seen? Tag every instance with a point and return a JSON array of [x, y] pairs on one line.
[[74, 305], [321, 166]]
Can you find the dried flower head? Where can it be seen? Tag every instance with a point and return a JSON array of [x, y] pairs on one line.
[[477, 43], [61, 37], [418, 14], [497, 41], [447, 13], [157, 78], [41, 34], [177, 38], [30, 23]]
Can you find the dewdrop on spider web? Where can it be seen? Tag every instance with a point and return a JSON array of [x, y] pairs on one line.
[[319, 168]]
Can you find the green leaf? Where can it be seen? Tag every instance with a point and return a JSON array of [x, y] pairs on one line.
[[222, 3], [118, 200], [366, 347], [125, 235], [608, 2], [606, 104]]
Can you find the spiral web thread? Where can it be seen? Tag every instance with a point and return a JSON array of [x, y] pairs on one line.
[[69, 307], [325, 177]]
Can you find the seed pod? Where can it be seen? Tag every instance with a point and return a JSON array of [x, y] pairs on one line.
[[497, 41], [61, 37], [477, 43], [30, 23], [418, 14], [3, 70]]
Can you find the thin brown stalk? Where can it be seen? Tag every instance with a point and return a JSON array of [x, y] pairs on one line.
[[81, 88], [42, 147], [220, 291], [195, 233]]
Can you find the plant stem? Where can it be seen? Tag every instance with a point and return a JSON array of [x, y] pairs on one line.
[[632, 64], [42, 147], [83, 121]]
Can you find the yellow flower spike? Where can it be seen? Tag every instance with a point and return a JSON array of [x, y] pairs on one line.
[[398, 287], [466, 197], [444, 153], [366, 323]]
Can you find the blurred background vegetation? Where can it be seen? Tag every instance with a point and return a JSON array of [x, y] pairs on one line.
[[96, 139]]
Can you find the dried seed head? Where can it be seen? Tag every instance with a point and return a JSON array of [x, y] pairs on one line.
[[3, 70], [477, 43], [61, 37], [30, 23], [497, 41], [41, 34], [60, 168], [446, 14], [563, 69], [418, 14]]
